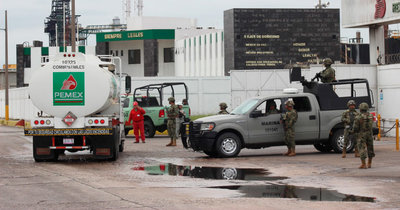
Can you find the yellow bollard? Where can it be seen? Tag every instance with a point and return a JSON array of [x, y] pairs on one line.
[[397, 134], [379, 127]]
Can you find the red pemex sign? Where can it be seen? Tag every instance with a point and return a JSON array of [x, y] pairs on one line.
[[380, 9]]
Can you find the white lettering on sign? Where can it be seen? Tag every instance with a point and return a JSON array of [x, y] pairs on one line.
[[72, 95]]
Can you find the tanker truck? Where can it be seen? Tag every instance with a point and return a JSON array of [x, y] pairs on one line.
[[78, 97]]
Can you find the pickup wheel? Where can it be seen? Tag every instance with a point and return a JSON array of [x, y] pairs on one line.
[[149, 129], [127, 131], [323, 147], [337, 142], [228, 145]]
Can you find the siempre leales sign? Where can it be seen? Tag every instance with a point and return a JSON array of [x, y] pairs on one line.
[[68, 88]]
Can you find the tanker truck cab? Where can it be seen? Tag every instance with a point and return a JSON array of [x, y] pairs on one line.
[[254, 124], [79, 96]]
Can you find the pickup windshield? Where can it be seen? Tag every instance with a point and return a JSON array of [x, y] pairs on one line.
[[245, 106]]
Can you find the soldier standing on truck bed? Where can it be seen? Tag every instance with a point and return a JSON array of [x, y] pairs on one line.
[[363, 129], [289, 119], [348, 118], [172, 113], [328, 74]]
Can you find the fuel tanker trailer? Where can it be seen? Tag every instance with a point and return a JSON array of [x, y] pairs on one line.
[[81, 109]]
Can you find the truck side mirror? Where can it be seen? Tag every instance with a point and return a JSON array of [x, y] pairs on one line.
[[256, 113], [128, 84], [295, 74]]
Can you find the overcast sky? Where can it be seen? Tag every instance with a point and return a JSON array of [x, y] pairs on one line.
[[26, 17]]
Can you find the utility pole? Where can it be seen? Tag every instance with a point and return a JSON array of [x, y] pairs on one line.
[[6, 66], [6, 69], [73, 25]]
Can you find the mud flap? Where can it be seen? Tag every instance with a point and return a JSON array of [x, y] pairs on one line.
[[41, 150], [105, 147]]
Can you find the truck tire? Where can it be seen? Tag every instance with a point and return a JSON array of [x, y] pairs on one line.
[[337, 142], [230, 174], [149, 129], [115, 148], [323, 147], [43, 142], [122, 146], [228, 145]]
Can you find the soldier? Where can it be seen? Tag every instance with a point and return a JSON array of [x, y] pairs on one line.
[[328, 74], [222, 107], [272, 108], [348, 119], [363, 129], [172, 113], [289, 119]]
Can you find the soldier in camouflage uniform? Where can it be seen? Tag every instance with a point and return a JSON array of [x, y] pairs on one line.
[[328, 74], [348, 119], [173, 113], [363, 129], [289, 119], [223, 107], [272, 108]]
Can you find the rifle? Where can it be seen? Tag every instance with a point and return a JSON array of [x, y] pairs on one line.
[[317, 77], [283, 121]]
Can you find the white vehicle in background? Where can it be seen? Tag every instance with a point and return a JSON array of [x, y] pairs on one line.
[[79, 96]]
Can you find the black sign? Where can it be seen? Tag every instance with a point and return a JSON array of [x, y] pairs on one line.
[[280, 38], [68, 132]]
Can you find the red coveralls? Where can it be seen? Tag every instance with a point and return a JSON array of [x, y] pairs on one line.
[[136, 115]]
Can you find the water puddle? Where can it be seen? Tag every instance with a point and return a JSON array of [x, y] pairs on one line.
[[209, 172], [289, 191]]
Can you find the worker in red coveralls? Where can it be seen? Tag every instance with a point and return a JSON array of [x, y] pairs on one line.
[[137, 116]]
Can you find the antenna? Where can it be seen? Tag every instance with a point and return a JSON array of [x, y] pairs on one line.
[[138, 8], [126, 9]]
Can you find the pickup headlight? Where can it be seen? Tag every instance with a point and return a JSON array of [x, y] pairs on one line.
[[207, 126]]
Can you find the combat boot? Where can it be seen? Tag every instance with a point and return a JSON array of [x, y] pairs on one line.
[[362, 166], [369, 162], [288, 152], [170, 143], [344, 153], [292, 152], [173, 142]]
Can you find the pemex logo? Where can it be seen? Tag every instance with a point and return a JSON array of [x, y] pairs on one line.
[[380, 9], [69, 84], [68, 88]]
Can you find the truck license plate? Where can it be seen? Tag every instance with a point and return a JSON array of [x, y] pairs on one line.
[[68, 140]]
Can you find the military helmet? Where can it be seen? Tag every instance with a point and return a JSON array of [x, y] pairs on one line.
[[289, 103], [223, 105], [351, 102], [328, 61], [171, 99], [363, 107]]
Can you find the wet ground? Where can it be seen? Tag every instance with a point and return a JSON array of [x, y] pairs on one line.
[[152, 176]]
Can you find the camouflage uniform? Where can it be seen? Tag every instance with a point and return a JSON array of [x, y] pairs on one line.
[[290, 118], [273, 111], [348, 118], [172, 113], [328, 74], [363, 129], [223, 107]]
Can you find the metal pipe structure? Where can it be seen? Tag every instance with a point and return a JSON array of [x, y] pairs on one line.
[[73, 25], [6, 69]]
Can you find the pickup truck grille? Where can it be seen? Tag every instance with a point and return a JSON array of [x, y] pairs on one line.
[[194, 128]]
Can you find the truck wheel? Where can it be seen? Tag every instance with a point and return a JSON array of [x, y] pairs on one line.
[[115, 147], [230, 174], [337, 142], [228, 145], [149, 129], [323, 147]]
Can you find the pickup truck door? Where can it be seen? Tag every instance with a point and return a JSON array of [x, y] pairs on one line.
[[266, 128], [307, 125]]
